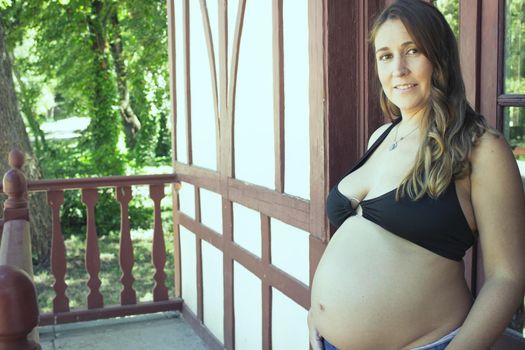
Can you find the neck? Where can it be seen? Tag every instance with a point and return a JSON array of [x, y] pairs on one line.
[[412, 120]]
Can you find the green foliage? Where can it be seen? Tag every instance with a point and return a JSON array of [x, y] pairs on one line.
[[450, 9]]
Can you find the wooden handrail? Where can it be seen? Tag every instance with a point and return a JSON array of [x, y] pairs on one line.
[[99, 182]]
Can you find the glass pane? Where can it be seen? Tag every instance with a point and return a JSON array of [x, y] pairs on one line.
[[514, 130], [450, 9], [515, 47]]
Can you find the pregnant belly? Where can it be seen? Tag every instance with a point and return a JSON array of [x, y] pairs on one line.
[[374, 290]]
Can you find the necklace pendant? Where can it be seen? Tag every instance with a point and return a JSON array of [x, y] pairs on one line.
[[393, 146]]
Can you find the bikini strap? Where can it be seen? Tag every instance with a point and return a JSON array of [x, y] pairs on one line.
[[374, 146]]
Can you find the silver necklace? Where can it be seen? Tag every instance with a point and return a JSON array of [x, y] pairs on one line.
[[393, 146]]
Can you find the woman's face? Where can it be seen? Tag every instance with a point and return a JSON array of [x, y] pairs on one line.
[[404, 72]]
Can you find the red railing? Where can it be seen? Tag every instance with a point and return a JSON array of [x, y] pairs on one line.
[[96, 309]]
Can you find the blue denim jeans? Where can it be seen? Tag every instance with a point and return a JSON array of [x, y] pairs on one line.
[[439, 344]]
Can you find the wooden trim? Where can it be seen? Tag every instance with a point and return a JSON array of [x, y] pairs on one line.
[[266, 291], [233, 77], [225, 164], [511, 100], [202, 331], [200, 177], [201, 231], [111, 311], [266, 316], [489, 57], [200, 293], [317, 222], [278, 92], [470, 48], [228, 283], [176, 242], [291, 210], [98, 182], [187, 66], [213, 73], [172, 66]]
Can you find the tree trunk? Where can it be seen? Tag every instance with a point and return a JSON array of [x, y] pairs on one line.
[[130, 119], [13, 135]]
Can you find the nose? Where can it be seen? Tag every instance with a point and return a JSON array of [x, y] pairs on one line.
[[400, 67]]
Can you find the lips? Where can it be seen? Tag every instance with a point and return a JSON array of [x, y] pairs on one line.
[[404, 87]]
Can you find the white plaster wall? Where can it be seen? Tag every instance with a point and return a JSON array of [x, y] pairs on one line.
[[188, 268], [213, 290], [211, 210], [247, 228], [254, 127], [290, 250], [202, 110], [248, 309], [182, 148], [187, 199], [296, 99], [289, 328]]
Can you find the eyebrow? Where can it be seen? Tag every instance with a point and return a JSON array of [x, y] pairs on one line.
[[406, 43]]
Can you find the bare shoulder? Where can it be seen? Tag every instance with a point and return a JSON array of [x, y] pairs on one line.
[[492, 152], [377, 133]]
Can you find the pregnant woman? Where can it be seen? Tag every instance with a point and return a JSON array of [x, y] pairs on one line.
[[433, 181]]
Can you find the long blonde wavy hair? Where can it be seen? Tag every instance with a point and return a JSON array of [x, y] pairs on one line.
[[450, 126]]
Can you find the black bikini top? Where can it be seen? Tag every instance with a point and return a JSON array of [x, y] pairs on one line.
[[438, 225]]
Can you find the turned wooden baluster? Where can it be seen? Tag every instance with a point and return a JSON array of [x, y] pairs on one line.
[[19, 309], [94, 299], [58, 253], [128, 296], [160, 291]]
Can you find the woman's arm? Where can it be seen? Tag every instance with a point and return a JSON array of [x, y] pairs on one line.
[[499, 207]]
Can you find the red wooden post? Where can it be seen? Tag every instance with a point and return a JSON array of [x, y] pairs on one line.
[[58, 253], [15, 187], [160, 291], [128, 296], [19, 309]]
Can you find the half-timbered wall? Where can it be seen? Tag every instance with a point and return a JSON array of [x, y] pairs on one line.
[[279, 81]]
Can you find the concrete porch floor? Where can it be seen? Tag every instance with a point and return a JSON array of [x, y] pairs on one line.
[[165, 330]]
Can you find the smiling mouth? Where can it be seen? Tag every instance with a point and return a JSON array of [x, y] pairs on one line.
[[404, 87]]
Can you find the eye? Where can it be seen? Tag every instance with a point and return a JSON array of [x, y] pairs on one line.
[[384, 57], [412, 51]]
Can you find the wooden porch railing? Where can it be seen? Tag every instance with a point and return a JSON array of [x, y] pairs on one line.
[[96, 309]]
